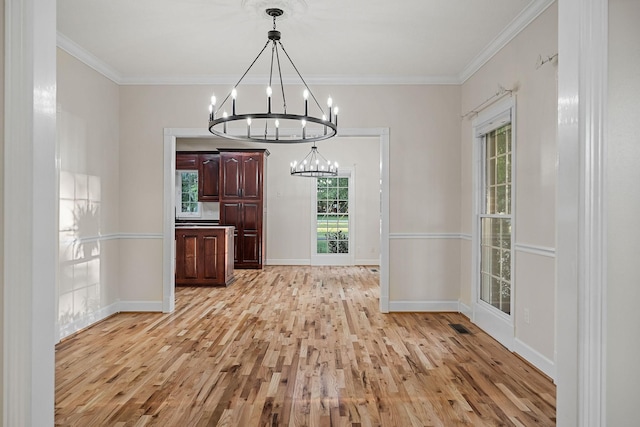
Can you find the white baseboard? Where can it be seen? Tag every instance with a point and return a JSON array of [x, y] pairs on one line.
[[372, 261], [131, 306], [465, 309], [423, 306], [85, 321], [288, 262], [89, 319], [535, 358]]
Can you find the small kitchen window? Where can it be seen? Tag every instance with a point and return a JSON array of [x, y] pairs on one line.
[[187, 205]]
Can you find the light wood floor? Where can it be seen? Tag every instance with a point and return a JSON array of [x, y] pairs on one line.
[[293, 346]]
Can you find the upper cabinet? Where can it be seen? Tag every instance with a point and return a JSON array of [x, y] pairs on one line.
[[186, 161], [208, 166], [241, 175]]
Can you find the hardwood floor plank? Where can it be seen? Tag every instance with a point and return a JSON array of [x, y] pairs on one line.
[[293, 346]]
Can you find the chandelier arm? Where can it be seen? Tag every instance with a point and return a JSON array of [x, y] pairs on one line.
[[284, 99], [273, 48], [245, 73], [300, 75]]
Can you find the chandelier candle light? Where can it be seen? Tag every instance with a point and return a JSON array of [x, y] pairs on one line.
[[312, 128]]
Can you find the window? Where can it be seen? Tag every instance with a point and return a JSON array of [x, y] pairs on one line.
[[187, 204], [332, 215], [496, 220]]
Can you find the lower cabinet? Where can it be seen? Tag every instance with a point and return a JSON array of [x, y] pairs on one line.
[[204, 256], [246, 217]]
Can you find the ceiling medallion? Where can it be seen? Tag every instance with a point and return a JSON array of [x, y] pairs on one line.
[[265, 126], [289, 7]]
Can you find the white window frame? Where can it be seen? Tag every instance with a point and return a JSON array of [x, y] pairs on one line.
[[333, 259], [495, 322], [179, 213]]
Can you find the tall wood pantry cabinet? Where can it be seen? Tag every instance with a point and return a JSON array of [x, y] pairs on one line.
[[242, 202]]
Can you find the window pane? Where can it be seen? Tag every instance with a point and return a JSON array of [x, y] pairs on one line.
[[343, 194], [495, 262], [501, 170], [187, 193], [501, 193], [333, 219], [491, 200]]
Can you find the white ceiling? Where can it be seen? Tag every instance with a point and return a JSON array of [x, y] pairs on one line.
[[339, 41]]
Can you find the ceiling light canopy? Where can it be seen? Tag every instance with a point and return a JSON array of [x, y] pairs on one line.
[[265, 126]]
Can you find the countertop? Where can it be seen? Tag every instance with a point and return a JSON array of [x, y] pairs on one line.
[[201, 225]]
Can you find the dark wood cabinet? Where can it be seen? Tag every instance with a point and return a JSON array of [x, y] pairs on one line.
[[241, 175], [204, 256], [208, 166], [186, 161], [242, 181], [208, 177], [248, 235]]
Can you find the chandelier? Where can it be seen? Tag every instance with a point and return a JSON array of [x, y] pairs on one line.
[[314, 165], [265, 126]]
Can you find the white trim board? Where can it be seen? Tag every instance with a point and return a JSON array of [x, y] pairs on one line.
[[581, 244], [535, 250], [396, 236], [168, 252], [540, 361], [30, 192], [424, 306], [300, 262], [112, 236]]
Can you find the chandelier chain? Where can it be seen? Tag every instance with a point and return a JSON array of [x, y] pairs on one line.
[[284, 98]]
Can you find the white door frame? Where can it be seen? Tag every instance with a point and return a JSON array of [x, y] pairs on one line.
[[168, 251]]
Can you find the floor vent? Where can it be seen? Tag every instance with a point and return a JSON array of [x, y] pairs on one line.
[[459, 328]]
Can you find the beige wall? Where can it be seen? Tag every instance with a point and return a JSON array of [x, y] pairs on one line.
[[88, 148], [424, 168], [535, 174], [289, 215], [623, 210]]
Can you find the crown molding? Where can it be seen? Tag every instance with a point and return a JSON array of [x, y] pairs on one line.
[[75, 50], [318, 80], [518, 24]]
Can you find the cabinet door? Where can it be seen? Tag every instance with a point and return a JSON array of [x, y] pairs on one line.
[[251, 217], [186, 255], [231, 214], [251, 176], [211, 262], [209, 175], [230, 175], [188, 161], [250, 249]]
